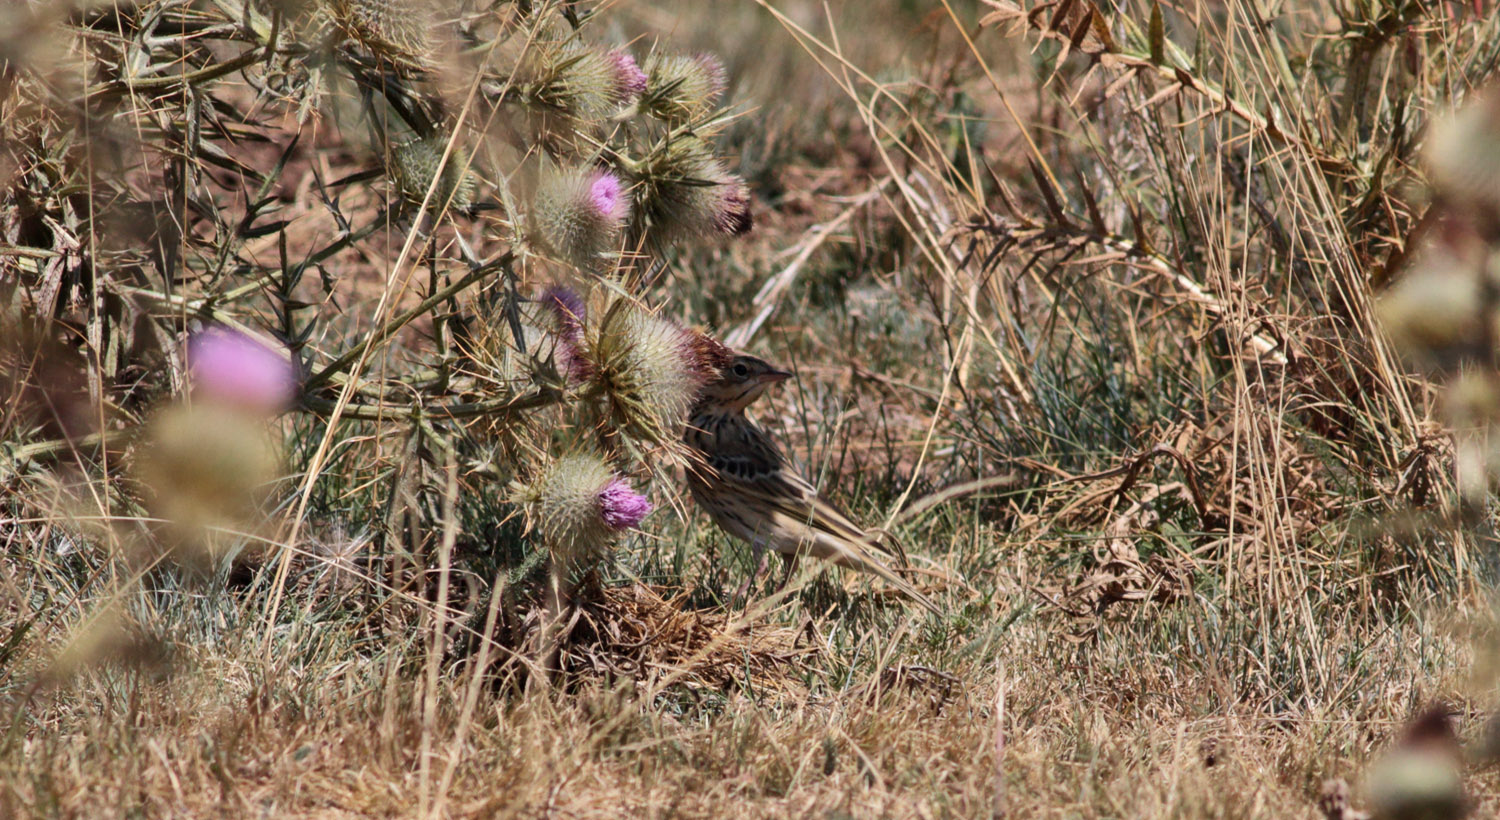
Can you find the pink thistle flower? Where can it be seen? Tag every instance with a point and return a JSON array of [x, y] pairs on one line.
[[732, 213], [231, 367], [568, 309], [579, 505], [630, 80], [607, 196], [621, 507], [578, 212]]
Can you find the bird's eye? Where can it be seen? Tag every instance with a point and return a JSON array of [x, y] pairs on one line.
[[741, 370]]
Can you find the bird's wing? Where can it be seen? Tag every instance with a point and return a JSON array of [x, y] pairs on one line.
[[749, 462]]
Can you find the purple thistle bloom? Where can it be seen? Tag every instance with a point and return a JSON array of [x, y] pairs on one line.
[[621, 507], [607, 197], [568, 310], [630, 80], [732, 216], [713, 70], [234, 368]]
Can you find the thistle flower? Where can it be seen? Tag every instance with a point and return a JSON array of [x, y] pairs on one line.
[[621, 507], [584, 82], [393, 29], [682, 89], [630, 80], [578, 213], [580, 506], [414, 163], [230, 367], [687, 193], [568, 309], [651, 369], [568, 314]]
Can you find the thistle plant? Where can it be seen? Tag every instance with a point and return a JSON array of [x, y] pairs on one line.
[[508, 332]]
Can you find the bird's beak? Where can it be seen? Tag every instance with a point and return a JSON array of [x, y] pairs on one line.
[[774, 376]]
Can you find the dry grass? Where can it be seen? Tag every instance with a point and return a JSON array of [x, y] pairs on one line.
[[1073, 315]]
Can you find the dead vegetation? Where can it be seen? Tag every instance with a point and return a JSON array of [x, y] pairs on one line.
[[1081, 299]]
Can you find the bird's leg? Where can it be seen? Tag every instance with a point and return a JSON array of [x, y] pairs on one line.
[[788, 566], [758, 554]]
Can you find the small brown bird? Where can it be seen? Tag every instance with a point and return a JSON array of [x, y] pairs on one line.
[[748, 488]]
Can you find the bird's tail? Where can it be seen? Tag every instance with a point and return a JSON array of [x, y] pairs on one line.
[[855, 555]]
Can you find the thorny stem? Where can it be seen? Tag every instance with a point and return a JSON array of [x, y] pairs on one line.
[[508, 405], [354, 354]]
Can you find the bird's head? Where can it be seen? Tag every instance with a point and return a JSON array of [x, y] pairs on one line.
[[740, 381]]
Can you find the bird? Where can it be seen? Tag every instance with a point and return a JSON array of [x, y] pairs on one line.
[[741, 479]]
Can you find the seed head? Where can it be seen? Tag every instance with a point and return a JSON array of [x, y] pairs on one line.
[[682, 89], [578, 213], [651, 369], [230, 367], [580, 506], [413, 165], [685, 192], [397, 30]]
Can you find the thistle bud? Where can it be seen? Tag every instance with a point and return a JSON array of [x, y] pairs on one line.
[[414, 164], [207, 470], [578, 213], [686, 193], [393, 29], [231, 368], [651, 370], [583, 82], [682, 89], [1464, 155], [580, 506]]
